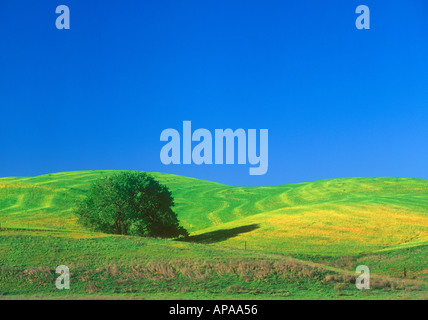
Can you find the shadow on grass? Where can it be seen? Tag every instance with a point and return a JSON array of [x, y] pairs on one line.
[[220, 235]]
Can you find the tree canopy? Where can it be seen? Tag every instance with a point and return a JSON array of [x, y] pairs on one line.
[[130, 203]]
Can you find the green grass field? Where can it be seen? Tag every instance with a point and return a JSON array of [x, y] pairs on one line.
[[300, 241]]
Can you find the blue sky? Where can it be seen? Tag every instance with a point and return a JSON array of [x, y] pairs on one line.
[[338, 102]]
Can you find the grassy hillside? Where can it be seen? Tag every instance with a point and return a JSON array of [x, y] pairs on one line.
[[105, 266], [330, 217], [305, 239]]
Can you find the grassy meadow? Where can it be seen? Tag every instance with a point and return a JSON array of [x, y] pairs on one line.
[[299, 241]]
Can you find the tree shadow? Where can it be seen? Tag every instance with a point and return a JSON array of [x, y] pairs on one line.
[[220, 235]]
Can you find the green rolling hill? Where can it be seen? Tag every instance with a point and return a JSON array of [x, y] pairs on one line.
[[326, 226]]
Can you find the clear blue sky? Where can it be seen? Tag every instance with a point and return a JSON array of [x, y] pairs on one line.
[[338, 102]]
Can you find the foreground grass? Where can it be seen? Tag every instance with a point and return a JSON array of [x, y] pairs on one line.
[[104, 266]]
